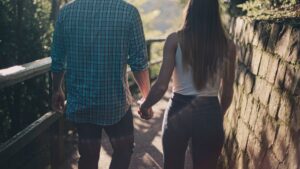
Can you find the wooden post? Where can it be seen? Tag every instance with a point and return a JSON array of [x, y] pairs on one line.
[[57, 145]]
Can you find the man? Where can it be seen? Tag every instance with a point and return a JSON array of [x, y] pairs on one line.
[[93, 42]]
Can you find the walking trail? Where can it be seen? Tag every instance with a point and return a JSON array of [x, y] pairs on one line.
[[148, 152]]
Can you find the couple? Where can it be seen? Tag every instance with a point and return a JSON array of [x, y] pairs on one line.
[[95, 40]]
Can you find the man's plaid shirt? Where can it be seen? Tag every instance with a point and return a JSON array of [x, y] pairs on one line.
[[93, 42]]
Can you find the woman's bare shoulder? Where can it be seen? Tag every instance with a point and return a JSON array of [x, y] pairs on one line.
[[172, 40]]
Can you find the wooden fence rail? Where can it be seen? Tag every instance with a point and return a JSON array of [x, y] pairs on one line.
[[20, 73], [47, 130]]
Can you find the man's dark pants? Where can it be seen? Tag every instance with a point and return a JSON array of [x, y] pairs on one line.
[[121, 138]]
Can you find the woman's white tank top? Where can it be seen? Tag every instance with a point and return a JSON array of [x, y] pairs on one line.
[[183, 80]]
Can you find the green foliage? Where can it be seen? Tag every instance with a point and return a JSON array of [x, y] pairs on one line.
[[25, 35], [25, 31], [271, 9], [147, 18]]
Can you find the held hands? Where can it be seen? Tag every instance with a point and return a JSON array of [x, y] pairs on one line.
[[58, 101], [145, 113]]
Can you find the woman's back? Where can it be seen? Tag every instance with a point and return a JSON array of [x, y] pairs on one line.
[[183, 79]]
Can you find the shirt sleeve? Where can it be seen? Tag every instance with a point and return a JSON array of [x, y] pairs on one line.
[[58, 48], [138, 59]]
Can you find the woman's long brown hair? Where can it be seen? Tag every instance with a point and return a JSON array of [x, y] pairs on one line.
[[203, 40]]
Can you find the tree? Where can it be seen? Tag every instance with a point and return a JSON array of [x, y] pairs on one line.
[[25, 36]]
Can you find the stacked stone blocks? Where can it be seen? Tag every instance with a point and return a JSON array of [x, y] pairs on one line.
[[262, 126]]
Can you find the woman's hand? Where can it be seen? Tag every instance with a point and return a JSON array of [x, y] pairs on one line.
[[145, 113]]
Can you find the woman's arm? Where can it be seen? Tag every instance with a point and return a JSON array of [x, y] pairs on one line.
[[228, 79], [160, 87]]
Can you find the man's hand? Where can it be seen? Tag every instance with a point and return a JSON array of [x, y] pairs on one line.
[[58, 101]]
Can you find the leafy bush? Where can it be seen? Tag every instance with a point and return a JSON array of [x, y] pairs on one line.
[[25, 35], [271, 9]]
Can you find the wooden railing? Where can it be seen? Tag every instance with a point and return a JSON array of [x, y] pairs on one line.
[[44, 138]]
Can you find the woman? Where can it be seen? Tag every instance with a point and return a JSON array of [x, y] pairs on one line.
[[200, 59]]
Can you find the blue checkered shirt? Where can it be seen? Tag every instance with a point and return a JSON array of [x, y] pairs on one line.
[[93, 42]]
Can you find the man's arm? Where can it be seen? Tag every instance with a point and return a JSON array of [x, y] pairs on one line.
[[58, 66], [57, 81], [58, 96], [138, 59], [142, 80]]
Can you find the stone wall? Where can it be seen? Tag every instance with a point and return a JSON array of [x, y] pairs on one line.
[[262, 125]]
